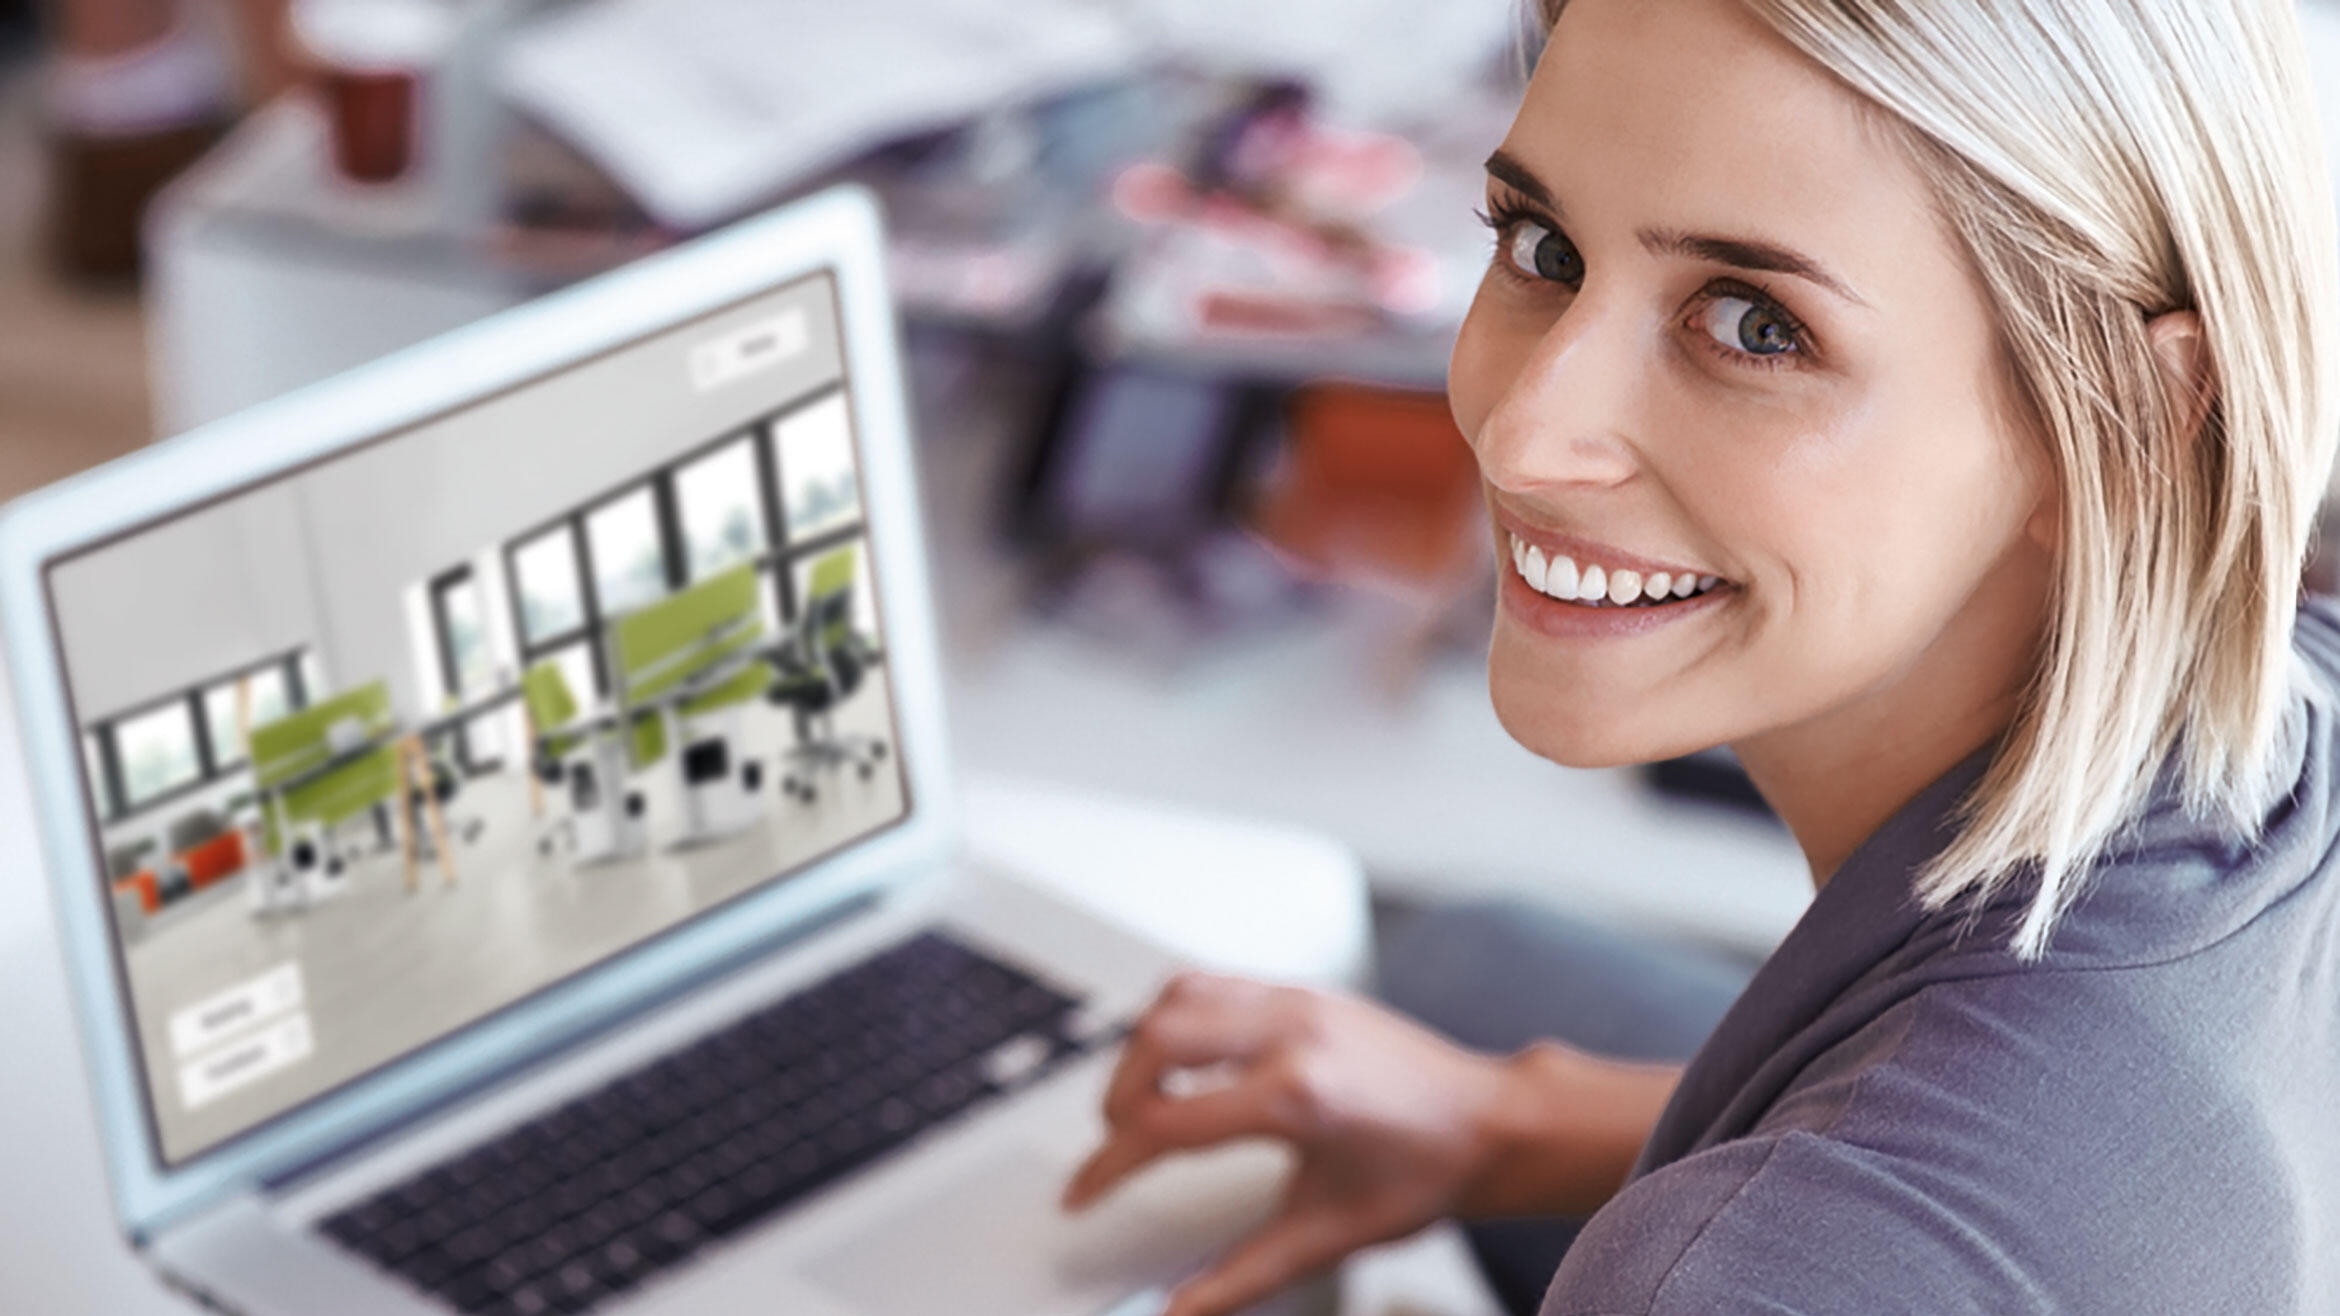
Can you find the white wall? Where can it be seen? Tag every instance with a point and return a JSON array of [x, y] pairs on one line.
[[187, 601]]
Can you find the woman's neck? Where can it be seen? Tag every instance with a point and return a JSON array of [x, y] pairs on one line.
[[1835, 779], [1835, 790]]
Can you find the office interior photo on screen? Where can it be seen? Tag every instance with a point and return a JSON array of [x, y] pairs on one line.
[[385, 744]]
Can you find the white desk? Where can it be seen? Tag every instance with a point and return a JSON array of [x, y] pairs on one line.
[[1254, 898]]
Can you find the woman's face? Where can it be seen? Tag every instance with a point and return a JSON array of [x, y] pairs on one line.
[[1725, 352]]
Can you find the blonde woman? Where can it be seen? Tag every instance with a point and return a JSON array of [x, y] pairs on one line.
[[1929, 399]]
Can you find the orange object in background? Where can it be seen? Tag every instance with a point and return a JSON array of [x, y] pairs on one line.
[[373, 115], [1376, 485], [149, 891], [371, 60], [221, 856], [214, 859]]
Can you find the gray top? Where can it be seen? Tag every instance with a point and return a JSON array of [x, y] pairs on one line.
[[1894, 1118]]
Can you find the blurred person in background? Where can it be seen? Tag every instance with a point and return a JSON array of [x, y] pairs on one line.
[[1932, 403], [133, 92]]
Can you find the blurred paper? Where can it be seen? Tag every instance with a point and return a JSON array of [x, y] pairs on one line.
[[702, 108], [1373, 63]]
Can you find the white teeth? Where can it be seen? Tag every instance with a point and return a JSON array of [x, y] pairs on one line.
[[1560, 577]]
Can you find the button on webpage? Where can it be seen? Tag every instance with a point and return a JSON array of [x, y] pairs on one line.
[[747, 351], [224, 1014], [271, 1049]]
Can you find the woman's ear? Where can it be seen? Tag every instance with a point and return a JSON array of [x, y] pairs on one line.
[[2183, 356]]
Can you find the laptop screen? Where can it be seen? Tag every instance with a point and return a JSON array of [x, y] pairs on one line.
[[388, 743]]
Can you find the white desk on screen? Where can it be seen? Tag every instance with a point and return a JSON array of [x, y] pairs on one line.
[[1271, 901]]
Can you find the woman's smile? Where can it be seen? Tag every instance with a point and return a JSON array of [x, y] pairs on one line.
[[1564, 587], [1598, 579]]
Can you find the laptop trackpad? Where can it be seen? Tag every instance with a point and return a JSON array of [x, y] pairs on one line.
[[993, 1243]]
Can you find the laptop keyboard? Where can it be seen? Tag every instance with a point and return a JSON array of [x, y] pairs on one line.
[[596, 1196]]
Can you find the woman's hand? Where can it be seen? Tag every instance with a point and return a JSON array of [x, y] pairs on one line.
[[1394, 1126]]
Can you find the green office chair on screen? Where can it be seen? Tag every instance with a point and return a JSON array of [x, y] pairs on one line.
[[695, 656], [544, 693], [314, 770], [570, 758], [821, 668]]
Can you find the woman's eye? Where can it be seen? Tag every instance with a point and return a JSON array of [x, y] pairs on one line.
[[1539, 253], [1748, 326]]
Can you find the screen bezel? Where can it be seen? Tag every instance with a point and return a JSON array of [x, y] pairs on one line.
[[836, 232]]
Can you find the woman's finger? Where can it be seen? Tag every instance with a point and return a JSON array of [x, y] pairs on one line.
[[1166, 1124], [1199, 1019], [1286, 1250], [1115, 1161]]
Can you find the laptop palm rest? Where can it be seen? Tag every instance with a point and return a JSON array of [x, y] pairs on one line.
[[998, 1219]]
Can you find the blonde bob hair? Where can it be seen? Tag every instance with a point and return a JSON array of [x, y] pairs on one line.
[[2103, 161]]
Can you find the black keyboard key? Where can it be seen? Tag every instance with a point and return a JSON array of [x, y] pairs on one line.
[[513, 1268], [672, 1235], [578, 1282], [945, 1094], [601, 1224], [622, 1262], [400, 1240], [716, 1210], [471, 1292], [431, 1267], [529, 1178], [476, 1246], [546, 1251]]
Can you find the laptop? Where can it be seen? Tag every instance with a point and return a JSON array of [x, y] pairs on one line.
[[501, 830]]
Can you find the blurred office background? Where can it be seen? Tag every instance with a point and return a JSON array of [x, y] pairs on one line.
[[1178, 279]]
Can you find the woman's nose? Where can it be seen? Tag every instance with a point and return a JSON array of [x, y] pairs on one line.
[[1562, 420]]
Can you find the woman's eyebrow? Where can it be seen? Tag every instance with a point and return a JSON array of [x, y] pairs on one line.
[[1739, 253]]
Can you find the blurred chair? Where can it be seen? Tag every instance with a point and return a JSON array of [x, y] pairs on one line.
[[549, 706], [1378, 487], [821, 668], [1379, 490]]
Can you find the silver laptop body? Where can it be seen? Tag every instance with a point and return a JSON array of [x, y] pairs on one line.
[[302, 783]]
